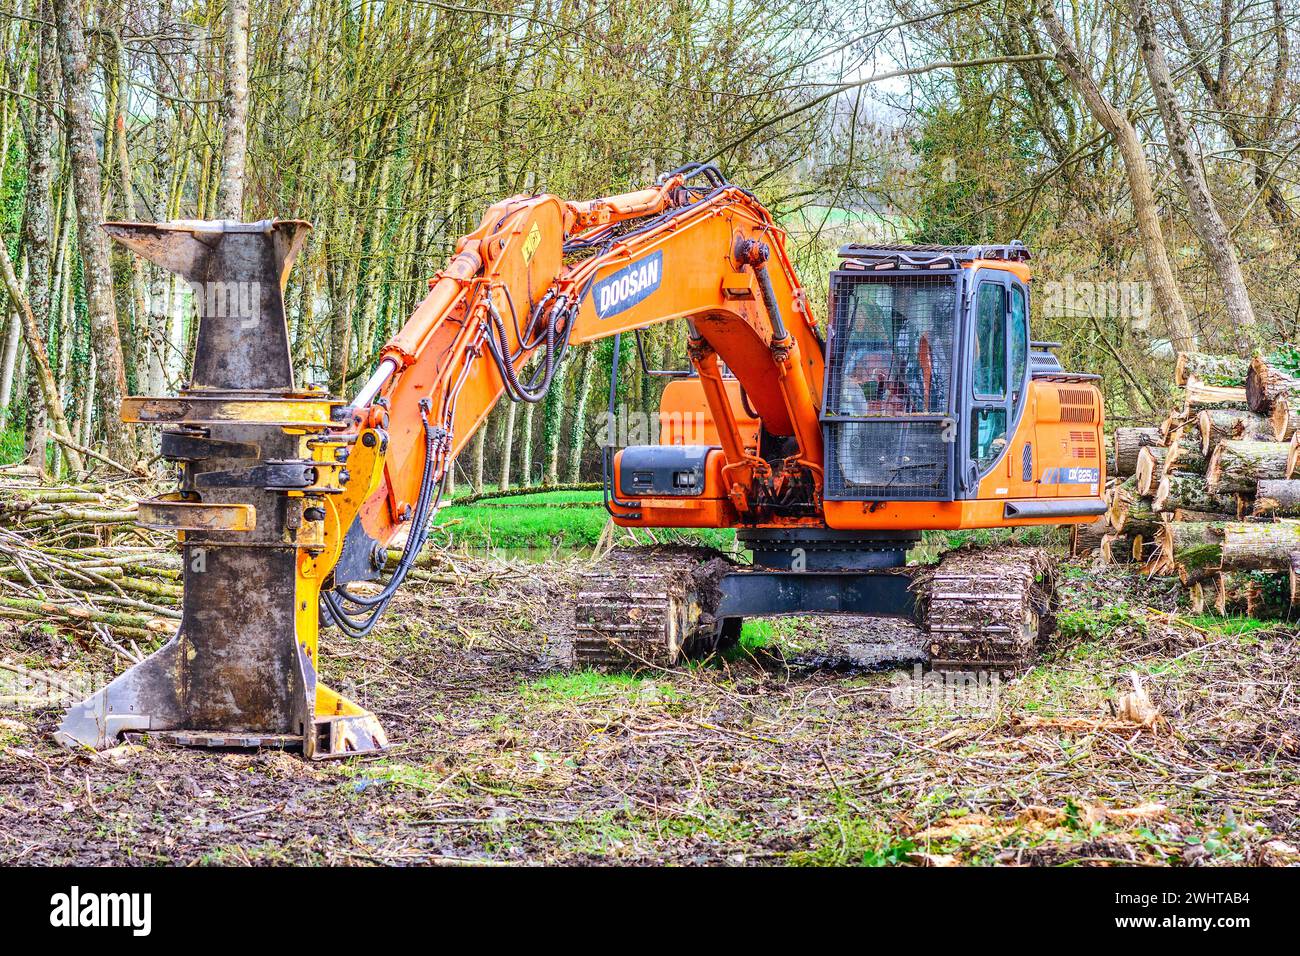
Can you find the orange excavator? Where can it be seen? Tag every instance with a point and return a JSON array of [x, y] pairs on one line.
[[925, 406]]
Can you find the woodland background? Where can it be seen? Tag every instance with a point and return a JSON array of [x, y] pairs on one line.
[[1147, 151]]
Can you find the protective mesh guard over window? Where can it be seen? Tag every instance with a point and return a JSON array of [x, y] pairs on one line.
[[889, 383]]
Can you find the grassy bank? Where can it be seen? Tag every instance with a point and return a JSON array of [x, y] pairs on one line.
[[548, 520]]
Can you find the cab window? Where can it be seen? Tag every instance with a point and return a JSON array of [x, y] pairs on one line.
[[991, 341], [1019, 343]]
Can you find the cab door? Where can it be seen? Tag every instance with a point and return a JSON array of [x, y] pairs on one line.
[[997, 347]]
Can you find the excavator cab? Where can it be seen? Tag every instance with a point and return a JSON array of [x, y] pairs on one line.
[[927, 366]]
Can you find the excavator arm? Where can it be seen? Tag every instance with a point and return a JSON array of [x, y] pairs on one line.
[[288, 497], [540, 275]]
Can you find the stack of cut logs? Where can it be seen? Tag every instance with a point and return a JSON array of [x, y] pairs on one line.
[[1212, 494]]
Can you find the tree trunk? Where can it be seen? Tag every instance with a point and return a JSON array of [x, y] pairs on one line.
[[1260, 546], [1236, 467], [36, 344], [1216, 240], [1210, 369], [106, 339], [508, 446], [526, 448], [1128, 443], [1168, 299], [38, 232], [479, 449], [1277, 498], [1191, 493], [552, 425], [13, 338], [1204, 517], [234, 143], [1221, 424], [578, 427]]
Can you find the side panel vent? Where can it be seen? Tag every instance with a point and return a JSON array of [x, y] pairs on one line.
[[1027, 463], [1077, 405]]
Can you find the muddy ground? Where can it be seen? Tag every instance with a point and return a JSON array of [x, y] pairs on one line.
[[790, 754]]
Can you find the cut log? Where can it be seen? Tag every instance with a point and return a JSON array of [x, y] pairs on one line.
[[1293, 457], [1285, 418], [1184, 454], [1150, 469], [1197, 398], [1191, 549], [1191, 493], [1116, 549], [1128, 442], [1122, 497], [1221, 424], [1277, 498], [1265, 384], [1236, 467], [1267, 596], [1085, 539], [1184, 514], [1212, 369], [1260, 547], [1172, 423], [1230, 593], [1293, 583], [1141, 518]]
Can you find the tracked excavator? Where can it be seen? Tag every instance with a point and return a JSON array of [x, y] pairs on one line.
[[926, 405]]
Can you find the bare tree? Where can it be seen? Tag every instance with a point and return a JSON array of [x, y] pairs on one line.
[[40, 359], [105, 337], [230, 192], [1254, 147], [1216, 241], [1168, 299], [40, 126]]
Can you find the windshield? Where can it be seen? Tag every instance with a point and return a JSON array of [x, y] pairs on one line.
[[895, 345], [890, 348]]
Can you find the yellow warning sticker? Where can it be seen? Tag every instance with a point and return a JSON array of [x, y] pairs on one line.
[[531, 242]]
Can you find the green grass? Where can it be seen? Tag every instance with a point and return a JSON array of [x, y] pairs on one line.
[[582, 685], [530, 521], [483, 525], [757, 634], [1230, 626]]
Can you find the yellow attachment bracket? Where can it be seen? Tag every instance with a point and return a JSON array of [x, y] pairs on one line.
[[171, 512]]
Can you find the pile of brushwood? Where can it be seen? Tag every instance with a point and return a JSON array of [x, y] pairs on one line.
[[72, 558], [1211, 495]]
